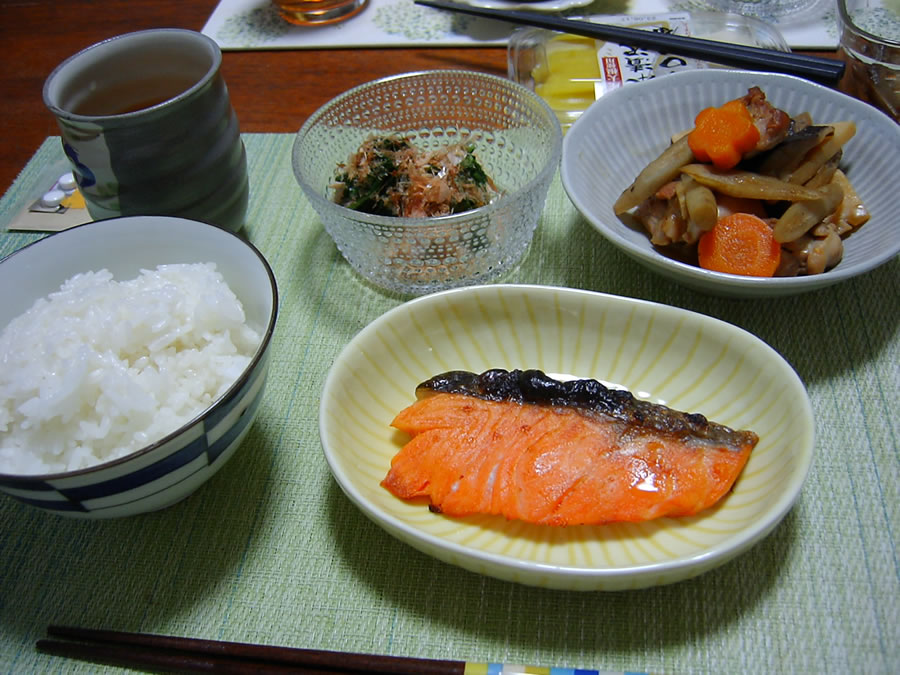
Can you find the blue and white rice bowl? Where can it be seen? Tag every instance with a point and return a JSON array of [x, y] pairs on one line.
[[170, 469]]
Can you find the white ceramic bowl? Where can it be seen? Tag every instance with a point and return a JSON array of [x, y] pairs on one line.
[[664, 354], [517, 140], [172, 468], [626, 129]]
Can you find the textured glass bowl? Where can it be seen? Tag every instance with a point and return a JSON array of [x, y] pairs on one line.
[[517, 140]]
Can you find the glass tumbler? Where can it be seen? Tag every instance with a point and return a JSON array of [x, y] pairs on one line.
[[768, 10], [318, 12], [870, 39]]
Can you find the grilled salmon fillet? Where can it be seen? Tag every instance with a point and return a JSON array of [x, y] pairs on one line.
[[524, 446]]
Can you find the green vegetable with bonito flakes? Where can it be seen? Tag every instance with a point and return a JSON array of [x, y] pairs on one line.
[[390, 176]]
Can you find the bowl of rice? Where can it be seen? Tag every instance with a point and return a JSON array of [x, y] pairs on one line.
[[134, 359]]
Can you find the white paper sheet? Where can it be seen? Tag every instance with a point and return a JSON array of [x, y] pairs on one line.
[[255, 24]]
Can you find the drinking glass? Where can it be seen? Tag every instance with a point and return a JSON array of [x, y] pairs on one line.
[[870, 38], [768, 10], [318, 12]]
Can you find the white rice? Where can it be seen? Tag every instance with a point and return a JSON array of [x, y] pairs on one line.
[[102, 368]]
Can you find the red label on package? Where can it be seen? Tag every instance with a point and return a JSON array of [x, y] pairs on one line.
[[612, 72]]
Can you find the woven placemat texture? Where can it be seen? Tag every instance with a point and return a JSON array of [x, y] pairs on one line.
[[271, 551]]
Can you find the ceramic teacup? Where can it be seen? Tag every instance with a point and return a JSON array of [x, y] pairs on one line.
[[147, 123]]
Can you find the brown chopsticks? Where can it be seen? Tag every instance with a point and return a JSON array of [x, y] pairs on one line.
[[162, 653], [816, 68]]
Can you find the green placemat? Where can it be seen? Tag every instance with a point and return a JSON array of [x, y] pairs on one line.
[[271, 551]]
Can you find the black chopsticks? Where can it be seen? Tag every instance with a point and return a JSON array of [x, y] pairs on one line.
[[162, 653], [816, 68]]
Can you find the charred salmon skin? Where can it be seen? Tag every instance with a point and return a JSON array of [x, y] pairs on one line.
[[522, 445]]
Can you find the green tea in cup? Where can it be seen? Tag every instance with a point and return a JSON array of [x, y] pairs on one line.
[[148, 126]]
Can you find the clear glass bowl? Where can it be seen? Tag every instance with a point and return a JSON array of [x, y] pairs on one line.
[[571, 72], [517, 140]]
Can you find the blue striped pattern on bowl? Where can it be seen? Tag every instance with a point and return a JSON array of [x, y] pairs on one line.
[[162, 475]]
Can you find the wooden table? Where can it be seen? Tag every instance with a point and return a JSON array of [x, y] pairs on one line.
[[272, 91], [274, 553]]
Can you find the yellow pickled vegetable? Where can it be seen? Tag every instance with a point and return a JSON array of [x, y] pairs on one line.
[[568, 75]]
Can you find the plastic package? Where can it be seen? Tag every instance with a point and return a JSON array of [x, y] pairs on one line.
[[570, 72]]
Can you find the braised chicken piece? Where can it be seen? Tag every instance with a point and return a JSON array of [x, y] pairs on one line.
[[773, 124]]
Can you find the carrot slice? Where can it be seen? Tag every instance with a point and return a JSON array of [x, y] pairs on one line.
[[722, 135], [742, 244]]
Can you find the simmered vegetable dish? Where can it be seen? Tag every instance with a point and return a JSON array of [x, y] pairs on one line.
[[750, 190]]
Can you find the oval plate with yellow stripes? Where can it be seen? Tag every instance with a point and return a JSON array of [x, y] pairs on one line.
[[664, 354]]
